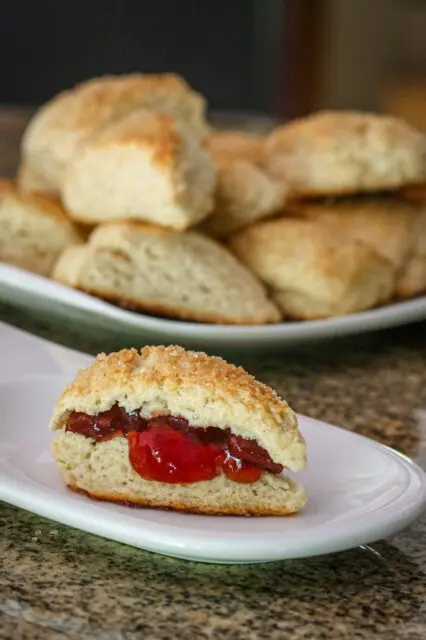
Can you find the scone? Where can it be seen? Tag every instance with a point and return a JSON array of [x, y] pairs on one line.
[[71, 117], [148, 166], [30, 182], [388, 226], [411, 280], [182, 275], [237, 145], [312, 272], [34, 230], [245, 192], [393, 228], [346, 152], [175, 429]]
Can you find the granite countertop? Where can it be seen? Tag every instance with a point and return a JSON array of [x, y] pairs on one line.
[[56, 582]]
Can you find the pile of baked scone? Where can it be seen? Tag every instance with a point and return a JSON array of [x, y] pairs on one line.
[[127, 193]]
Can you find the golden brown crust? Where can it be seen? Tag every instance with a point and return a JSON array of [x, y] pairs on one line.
[[99, 101], [174, 367], [386, 225], [173, 505], [314, 271], [144, 129], [30, 181], [342, 152], [61, 126], [196, 278], [45, 204], [49, 206], [6, 185], [229, 146], [168, 311], [101, 95]]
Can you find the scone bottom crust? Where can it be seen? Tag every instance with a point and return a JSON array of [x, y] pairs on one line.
[[183, 507]]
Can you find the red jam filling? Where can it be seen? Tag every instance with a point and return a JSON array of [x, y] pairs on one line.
[[168, 449]]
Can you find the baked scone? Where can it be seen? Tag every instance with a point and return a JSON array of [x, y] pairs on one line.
[[182, 275], [312, 272], [393, 228], [411, 280], [237, 145], [388, 226], [175, 429], [345, 152], [412, 277], [245, 192], [34, 230], [148, 166], [30, 182], [60, 126], [6, 186]]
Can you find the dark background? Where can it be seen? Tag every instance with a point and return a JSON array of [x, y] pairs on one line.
[[230, 50], [281, 58]]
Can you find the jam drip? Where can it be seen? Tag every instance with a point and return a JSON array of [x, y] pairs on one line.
[[168, 449]]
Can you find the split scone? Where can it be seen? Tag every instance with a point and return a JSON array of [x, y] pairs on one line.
[[148, 166], [70, 118], [182, 275], [245, 192], [176, 429], [34, 230], [314, 273], [344, 152]]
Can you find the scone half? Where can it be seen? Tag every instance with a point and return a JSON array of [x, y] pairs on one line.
[[176, 429], [179, 275], [147, 166]]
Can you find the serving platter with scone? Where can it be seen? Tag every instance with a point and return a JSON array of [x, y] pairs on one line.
[[133, 214], [97, 462]]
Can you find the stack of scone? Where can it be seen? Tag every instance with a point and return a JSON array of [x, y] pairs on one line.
[[128, 157], [125, 192], [351, 238]]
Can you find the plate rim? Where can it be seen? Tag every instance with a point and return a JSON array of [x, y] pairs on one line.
[[394, 314], [47, 502]]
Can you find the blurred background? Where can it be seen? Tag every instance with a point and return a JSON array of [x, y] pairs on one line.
[[279, 58]]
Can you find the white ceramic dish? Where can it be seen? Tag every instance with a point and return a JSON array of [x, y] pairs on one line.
[[33, 292], [358, 490]]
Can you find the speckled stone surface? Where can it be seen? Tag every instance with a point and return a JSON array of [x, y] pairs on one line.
[[57, 583]]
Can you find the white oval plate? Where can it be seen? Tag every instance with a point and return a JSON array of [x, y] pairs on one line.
[[359, 491], [31, 291]]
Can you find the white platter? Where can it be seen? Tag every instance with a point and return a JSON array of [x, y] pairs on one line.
[[359, 491], [36, 293]]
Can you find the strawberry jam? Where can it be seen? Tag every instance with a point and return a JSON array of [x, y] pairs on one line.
[[168, 449]]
